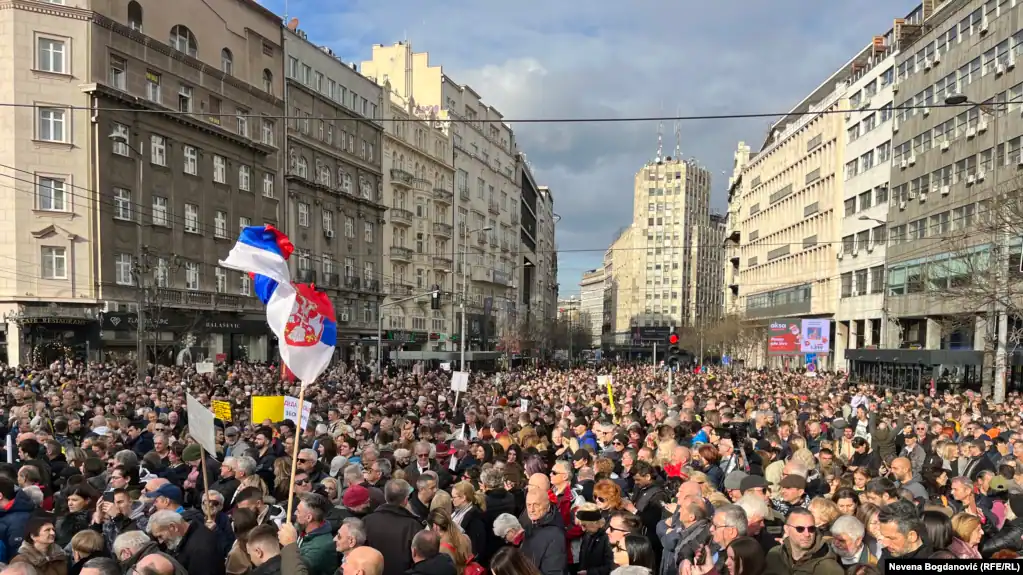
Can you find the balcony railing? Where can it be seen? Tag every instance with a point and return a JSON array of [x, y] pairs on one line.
[[494, 207], [463, 191], [400, 216], [401, 253], [442, 195], [399, 289], [306, 276], [371, 285], [331, 280], [401, 178], [505, 246], [442, 229], [201, 299], [442, 262], [353, 282]]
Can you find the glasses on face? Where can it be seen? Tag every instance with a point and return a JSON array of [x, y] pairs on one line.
[[301, 482], [422, 455], [305, 460], [601, 500], [804, 528]]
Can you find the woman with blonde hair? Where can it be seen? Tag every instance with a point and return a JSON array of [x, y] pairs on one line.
[[469, 506], [452, 541], [824, 511], [966, 536], [282, 478]]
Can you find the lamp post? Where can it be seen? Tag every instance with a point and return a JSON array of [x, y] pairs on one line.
[[140, 350], [884, 286], [1000, 241], [380, 323], [465, 287]]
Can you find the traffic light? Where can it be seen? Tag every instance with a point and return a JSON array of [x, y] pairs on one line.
[[435, 298], [674, 352]]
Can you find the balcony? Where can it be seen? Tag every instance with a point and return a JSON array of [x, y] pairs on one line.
[[331, 280], [442, 262], [203, 300], [505, 246], [481, 238], [401, 178], [353, 282], [440, 229], [463, 191], [399, 289], [306, 276], [442, 195], [401, 253], [371, 285], [400, 216], [490, 275], [514, 219], [494, 207]]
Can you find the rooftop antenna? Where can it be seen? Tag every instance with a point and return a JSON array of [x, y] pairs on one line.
[[678, 134], [660, 146]]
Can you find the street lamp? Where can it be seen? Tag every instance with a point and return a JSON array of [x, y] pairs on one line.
[[465, 286], [140, 351]]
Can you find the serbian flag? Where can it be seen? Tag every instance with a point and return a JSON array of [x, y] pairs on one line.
[[301, 317]]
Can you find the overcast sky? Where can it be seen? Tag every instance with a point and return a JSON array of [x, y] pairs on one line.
[[556, 59]]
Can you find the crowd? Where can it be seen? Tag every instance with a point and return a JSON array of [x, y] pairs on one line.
[[534, 472]]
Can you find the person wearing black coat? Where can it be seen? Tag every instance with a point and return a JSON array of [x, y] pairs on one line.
[[474, 525], [1010, 536], [196, 548], [544, 542], [392, 526], [596, 557], [498, 501]]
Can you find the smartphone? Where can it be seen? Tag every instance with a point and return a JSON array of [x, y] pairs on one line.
[[108, 497]]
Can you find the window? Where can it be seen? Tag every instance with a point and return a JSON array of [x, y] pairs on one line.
[[219, 169], [158, 150], [328, 221], [226, 62], [241, 117], [122, 204], [369, 230], [268, 132], [244, 285], [244, 178], [349, 267], [185, 99], [122, 270], [192, 218], [152, 86], [368, 273], [52, 195], [51, 55], [268, 81], [847, 284], [159, 211], [243, 223], [220, 224], [302, 167], [135, 16], [191, 160], [162, 272], [118, 72], [303, 214], [268, 185], [182, 40], [349, 227], [221, 277], [318, 82], [51, 125], [191, 276]]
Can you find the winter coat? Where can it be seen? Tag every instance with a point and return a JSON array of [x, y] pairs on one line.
[[12, 523], [151, 548], [544, 544], [820, 560], [1009, 537], [70, 524], [390, 530], [142, 444], [287, 563], [439, 564], [498, 502], [474, 525], [318, 552], [197, 549], [53, 562], [595, 554]]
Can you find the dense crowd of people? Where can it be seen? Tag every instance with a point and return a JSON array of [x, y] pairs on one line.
[[535, 471]]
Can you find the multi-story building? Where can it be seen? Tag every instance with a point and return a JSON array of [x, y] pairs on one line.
[[487, 191], [706, 272], [48, 292], [545, 286], [733, 240], [570, 309], [946, 162], [868, 151], [656, 279], [184, 141], [591, 302], [784, 213], [335, 205], [420, 236]]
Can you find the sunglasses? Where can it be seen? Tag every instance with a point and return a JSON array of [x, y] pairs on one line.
[[804, 528], [306, 482]]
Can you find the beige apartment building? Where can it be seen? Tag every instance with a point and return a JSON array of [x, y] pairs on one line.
[[591, 303], [486, 190], [786, 214]]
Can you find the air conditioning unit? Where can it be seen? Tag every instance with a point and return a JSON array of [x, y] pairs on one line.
[[999, 69], [840, 254], [911, 195], [895, 87], [912, 160], [870, 248], [902, 204], [1019, 160], [927, 112], [895, 126], [329, 234], [937, 58], [981, 126], [1010, 63], [984, 24], [945, 145], [945, 190], [971, 133], [848, 116], [970, 179], [927, 64], [902, 165], [923, 197], [980, 175], [344, 316]]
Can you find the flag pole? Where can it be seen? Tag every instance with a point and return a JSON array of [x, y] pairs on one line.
[[205, 489], [294, 453]]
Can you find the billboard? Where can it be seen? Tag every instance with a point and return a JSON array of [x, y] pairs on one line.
[[796, 337]]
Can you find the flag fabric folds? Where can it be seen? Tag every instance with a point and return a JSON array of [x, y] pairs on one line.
[[302, 318]]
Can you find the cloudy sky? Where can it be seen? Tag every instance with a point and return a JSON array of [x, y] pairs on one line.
[[555, 59]]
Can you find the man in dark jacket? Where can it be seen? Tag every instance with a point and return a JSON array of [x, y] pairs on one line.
[[427, 556], [15, 509], [391, 528], [269, 558], [139, 440], [424, 463], [544, 544], [190, 542], [498, 502]]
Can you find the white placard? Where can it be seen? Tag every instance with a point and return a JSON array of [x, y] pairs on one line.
[[460, 381], [200, 425], [291, 411], [602, 381], [523, 404], [204, 367], [446, 366]]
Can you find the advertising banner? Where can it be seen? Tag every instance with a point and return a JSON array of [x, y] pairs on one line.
[[783, 337], [816, 336]]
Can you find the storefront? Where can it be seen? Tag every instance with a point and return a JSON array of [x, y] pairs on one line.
[[176, 336], [44, 333], [914, 369]]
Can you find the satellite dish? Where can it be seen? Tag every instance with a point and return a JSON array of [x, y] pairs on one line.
[[293, 24]]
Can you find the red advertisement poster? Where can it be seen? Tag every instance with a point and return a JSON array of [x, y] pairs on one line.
[[783, 337]]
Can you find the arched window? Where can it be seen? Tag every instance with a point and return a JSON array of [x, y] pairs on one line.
[[227, 62], [182, 40], [347, 185], [302, 168], [268, 81], [324, 175], [135, 16]]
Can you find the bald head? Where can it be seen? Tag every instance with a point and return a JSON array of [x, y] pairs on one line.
[[690, 489], [365, 559], [156, 563], [154, 484], [902, 467], [539, 482]]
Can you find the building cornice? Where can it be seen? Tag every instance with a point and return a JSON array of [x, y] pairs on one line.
[[199, 65], [47, 8]]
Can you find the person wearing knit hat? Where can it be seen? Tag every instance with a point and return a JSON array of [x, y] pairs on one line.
[[356, 499]]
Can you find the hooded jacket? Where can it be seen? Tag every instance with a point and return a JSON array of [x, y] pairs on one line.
[[12, 523]]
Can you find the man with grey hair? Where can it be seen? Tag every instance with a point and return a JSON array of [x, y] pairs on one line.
[[104, 566], [190, 542], [392, 526], [309, 462], [351, 535], [847, 542], [234, 445], [229, 481], [762, 523], [19, 569], [728, 524], [131, 547]]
